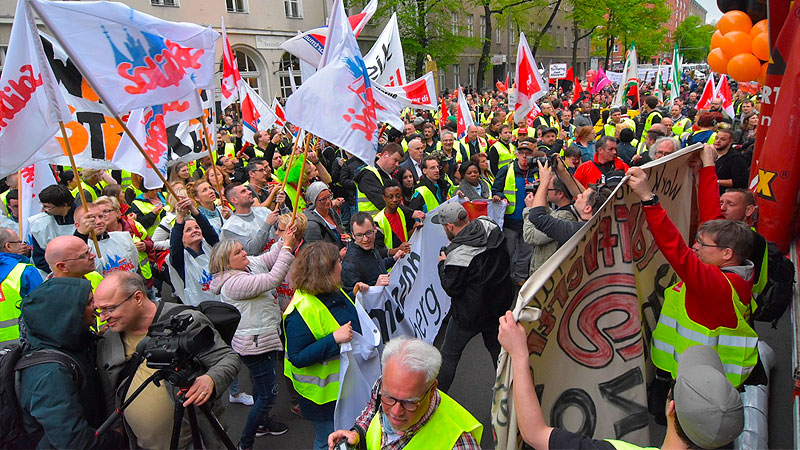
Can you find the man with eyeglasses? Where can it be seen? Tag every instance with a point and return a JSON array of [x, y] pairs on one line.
[[710, 305], [259, 174], [363, 266], [407, 409], [70, 257], [56, 219], [18, 279], [121, 300], [117, 250]]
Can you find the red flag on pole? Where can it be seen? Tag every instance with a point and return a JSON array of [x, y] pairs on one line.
[[442, 115], [576, 95], [708, 94]]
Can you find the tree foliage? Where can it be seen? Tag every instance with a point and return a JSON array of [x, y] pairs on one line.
[[694, 39]]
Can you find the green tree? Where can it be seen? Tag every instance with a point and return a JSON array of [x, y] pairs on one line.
[[628, 21], [694, 39]]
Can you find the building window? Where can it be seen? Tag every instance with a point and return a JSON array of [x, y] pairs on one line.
[[616, 48], [288, 60], [558, 35], [470, 26], [454, 23], [483, 26], [471, 74], [442, 80], [3, 51], [456, 75], [292, 9], [237, 6], [248, 69], [164, 2], [499, 34]]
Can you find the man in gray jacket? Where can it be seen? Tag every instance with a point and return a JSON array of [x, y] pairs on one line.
[[122, 301], [543, 245]]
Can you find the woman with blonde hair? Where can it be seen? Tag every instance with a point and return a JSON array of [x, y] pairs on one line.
[[584, 141], [205, 198], [320, 317], [179, 173], [246, 282]]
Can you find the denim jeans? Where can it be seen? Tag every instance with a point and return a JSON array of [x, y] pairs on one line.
[[234, 386], [520, 252], [455, 339], [322, 429], [265, 391]]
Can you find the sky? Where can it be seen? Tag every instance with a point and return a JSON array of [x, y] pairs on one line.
[[713, 11]]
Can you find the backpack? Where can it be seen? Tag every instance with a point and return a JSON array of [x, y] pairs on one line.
[[223, 316], [777, 294], [13, 360]]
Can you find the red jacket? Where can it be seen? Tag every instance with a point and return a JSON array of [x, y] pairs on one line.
[[589, 172], [708, 294], [708, 196]]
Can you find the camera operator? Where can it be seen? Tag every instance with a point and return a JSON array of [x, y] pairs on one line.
[[543, 245], [121, 300], [513, 181], [585, 205]]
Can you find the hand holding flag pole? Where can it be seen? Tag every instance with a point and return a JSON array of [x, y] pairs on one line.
[[80, 183], [146, 156], [202, 120], [271, 197], [300, 180]]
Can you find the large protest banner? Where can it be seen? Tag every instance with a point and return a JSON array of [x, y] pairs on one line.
[[414, 303], [600, 295]]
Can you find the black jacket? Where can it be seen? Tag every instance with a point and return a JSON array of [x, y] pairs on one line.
[[370, 186], [346, 176], [318, 229], [476, 275], [363, 266]]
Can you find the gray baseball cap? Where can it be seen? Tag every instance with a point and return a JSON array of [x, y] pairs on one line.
[[709, 408], [450, 213]]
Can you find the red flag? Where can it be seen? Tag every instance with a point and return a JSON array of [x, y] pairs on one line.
[[530, 86], [506, 89], [570, 76], [778, 179], [278, 110], [578, 89], [442, 115], [708, 94], [724, 93], [231, 78]]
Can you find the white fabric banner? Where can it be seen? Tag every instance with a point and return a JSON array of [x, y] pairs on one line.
[[33, 179], [418, 94], [385, 63], [614, 77]]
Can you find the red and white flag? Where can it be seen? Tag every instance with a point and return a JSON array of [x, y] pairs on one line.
[[309, 46], [418, 94], [530, 86], [385, 61], [708, 93], [33, 179], [131, 59], [463, 116], [723, 92], [277, 109], [231, 79], [443, 113], [257, 115], [31, 105]]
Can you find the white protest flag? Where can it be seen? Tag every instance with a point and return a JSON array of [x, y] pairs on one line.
[[306, 70], [344, 103], [133, 60], [657, 91], [292, 82], [530, 85], [629, 83], [309, 46], [257, 115], [279, 112], [231, 80], [599, 296], [675, 76], [385, 62], [723, 92], [417, 94], [33, 179], [31, 104], [463, 115]]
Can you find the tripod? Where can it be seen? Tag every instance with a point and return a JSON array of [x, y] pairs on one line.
[[197, 441]]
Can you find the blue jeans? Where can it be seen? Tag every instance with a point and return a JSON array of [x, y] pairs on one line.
[[322, 429], [234, 386], [265, 391]]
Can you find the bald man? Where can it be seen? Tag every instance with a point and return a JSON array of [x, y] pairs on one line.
[[70, 257]]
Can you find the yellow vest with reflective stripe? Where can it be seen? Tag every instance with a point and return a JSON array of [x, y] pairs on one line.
[[680, 126], [445, 426], [90, 189], [431, 202], [363, 202], [146, 208], [10, 299], [482, 144], [649, 121], [505, 154], [675, 332], [386, 227], [291, 192], [319, 382], [510, 190]]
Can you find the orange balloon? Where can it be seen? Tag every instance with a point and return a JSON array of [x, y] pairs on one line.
[[735, 21], [718, 61], [760, 27], [744, 67], [716, 39], [735, 43], [761, 46], [762, 76]]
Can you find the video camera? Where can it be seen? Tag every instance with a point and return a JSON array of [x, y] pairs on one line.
[[173, 350]]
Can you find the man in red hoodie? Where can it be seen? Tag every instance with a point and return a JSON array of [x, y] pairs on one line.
[[605, 161], [711, 304]]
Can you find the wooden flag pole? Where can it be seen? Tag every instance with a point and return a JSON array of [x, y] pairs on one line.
[[211, 155], [300, 180], [80, 188], [146, 156], [268, 201], [19, 204]]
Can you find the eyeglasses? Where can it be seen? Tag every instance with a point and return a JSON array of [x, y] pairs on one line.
[[367, 234], [324, 199], [86, 255], [409, 405], [106, 311], [105, 212], [703, 244]]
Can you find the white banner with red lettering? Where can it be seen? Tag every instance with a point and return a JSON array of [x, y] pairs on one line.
[[418, 94], [599, 296], [385, 63]]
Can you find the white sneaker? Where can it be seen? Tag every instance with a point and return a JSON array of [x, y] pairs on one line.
[[243, 398]]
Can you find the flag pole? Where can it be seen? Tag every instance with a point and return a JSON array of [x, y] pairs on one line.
[[146, 156], [19, 204], [282, 185], [202, 120], [300, 180], [78, 178]]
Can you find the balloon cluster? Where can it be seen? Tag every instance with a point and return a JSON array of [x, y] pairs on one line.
[[739, 48]]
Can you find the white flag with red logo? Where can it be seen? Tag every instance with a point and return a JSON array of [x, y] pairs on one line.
[[723, 92], [309, 46], [131, 59], [530, 85], [279, 112], [708, 93], [338, 103], [463, 116], [231, 79], [31, 105], [385, 62], [257, 115], [418, 94], [33, 179]]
